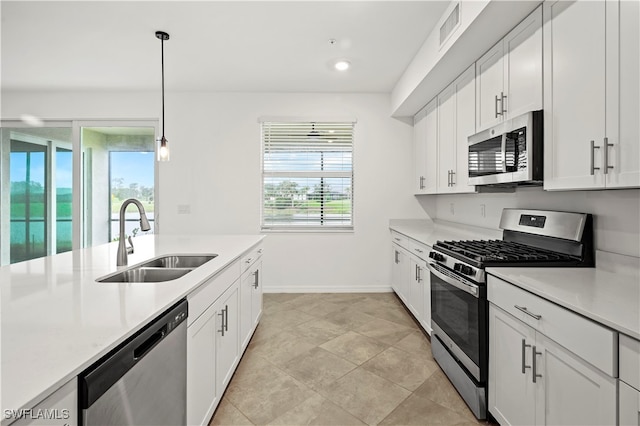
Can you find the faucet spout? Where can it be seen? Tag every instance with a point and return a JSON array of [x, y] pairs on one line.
[[144, 225]]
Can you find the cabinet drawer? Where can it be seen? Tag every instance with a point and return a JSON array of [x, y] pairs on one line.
[[251, 256], [589, 340], [418, 249], [630, 361], [208, 292], [401, 240]]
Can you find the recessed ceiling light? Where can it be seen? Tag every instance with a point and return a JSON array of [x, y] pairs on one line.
[[342, 65]]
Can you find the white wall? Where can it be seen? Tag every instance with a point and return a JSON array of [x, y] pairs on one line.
[[215, 169], [616, 212]]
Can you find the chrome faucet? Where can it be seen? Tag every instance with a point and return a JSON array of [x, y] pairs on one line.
[[123, 250]]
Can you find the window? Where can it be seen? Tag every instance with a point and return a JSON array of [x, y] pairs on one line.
[[307, 175]]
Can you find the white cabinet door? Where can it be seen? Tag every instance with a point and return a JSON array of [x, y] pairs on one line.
[[624, 153], [419, 151], [401, 270], [490, 87], [574, 93], [569, 390], [201, 368], [256, 298], [511, 388], [629, 405], [446, 138], [465, 116], [227, 336], [431, 148], [426, 306], [523, 67], [416, 296], [246, 304]]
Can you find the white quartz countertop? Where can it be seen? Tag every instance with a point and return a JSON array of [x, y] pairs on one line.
[[611, 298], [429, 232], [57, 320]]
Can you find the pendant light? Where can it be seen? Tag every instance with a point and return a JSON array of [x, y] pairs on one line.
[[162, 148]]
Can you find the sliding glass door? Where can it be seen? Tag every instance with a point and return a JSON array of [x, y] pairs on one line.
[[62, 185], [35, 190]]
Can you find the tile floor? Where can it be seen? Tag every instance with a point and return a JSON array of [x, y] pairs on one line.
[[339, 359]]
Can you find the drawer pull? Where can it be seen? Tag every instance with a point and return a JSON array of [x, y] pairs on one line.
[[419, 251], [526, 311], [248, 260], [397, 239]]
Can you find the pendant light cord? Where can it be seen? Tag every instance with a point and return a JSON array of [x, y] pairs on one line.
[[162, 56]]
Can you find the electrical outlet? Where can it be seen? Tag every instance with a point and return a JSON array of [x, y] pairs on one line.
[[184, 209], [483, 210], [452, 209]]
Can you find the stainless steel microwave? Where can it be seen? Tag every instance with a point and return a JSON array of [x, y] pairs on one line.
[[508, 153]]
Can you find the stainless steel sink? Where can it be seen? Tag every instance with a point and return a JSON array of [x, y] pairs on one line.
[[160, 269], [178, 261]]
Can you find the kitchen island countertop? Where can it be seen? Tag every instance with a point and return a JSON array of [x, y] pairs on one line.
[[56, 320]]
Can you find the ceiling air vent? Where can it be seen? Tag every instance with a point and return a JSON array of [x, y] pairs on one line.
[[450, 24]]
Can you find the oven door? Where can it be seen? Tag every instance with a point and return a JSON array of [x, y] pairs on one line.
[[459, 318]]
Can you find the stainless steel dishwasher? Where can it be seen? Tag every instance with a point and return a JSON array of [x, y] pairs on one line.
[[144, 380]]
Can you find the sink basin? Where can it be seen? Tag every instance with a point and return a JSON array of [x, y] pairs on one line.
[[179, 261], [146, 275], [160, 269]]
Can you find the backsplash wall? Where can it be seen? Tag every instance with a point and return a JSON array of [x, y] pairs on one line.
[[616, 212]]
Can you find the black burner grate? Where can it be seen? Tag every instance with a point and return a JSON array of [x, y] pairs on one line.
[[488, 251]]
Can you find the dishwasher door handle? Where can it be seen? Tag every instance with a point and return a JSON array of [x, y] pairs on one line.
[[149, 344]]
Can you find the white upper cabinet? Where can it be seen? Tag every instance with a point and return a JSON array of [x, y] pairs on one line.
[[624, 153], [425, 140], [456, 122], [509, 75], [591, 95]]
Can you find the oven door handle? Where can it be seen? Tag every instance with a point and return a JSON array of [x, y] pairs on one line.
[[469, 288]]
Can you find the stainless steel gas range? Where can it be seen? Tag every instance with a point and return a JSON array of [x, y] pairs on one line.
[[459, 305]]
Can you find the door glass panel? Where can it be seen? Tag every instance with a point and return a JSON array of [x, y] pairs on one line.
[[64, 195], [30, 190], [118, 163]]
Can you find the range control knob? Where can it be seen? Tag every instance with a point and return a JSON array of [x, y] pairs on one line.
[[436, 256], [463, 269]]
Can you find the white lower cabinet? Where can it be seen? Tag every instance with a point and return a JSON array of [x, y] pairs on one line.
[[629, 383], [201, 368], [534, 379], [251, 301], [59, 408], [223, 314], [410, 278], [227, 336], [400, 272]]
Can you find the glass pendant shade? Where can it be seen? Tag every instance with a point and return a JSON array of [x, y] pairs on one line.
[[162, 149]]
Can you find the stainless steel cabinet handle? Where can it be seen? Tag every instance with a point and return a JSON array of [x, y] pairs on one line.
[[502, 98], [416, 273], [419, 251], [226, 317], [421, 182], [496, 107], [222, 325], [526, 311], [256, 278], [606, 155], [524, 346], [259, 251], [593, 150], [533, 362], [396, 259], [452, 181], [248, 260], [396, 238]]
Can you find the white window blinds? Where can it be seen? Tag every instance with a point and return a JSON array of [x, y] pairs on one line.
[[307, 175]]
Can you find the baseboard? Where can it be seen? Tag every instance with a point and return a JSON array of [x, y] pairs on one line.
[[327, 289]]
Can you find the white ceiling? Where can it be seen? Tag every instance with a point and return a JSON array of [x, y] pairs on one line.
[[264, 46]]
